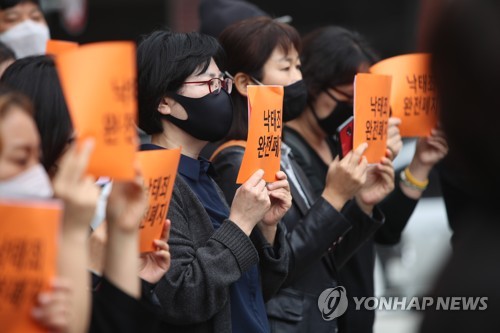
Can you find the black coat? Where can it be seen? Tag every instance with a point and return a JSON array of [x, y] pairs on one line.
[[356, 274], [311, 234]]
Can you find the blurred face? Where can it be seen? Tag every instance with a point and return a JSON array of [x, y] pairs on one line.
[[325, 104], [19, 13], [19, 143], [282, 69]]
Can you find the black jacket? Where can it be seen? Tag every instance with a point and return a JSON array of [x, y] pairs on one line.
[[357, 272], [311, 234]]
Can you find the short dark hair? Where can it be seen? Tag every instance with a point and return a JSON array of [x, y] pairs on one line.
[[4, 4], [331, 56], [248, 45], [36, 77], [6, 53], [164, 60], [466, 65]]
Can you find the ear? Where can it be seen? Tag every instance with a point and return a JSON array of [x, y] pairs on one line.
[[241, 81], [164, 106]]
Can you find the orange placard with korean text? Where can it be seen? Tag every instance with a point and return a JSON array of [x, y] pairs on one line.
[[57, 47], [28, 257], [159, 169], [99, 84], [413, 95], [265, 122], [371, 114]]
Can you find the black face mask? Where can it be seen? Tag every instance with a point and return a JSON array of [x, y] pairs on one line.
[[294, 100], [209, 117], [342, 111]]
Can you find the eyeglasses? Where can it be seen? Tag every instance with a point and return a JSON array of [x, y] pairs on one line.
[[216, 84]]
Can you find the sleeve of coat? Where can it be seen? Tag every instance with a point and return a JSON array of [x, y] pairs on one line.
[[397, 208], [273, 261], [310, 238], [363, 227], [196, 287]]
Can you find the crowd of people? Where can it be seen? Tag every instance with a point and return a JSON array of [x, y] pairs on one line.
[[253, 257]]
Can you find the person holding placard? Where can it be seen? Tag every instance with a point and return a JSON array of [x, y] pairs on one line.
[[465, 51], [225, 261], [331, 58], [22, 176], [314, 223]]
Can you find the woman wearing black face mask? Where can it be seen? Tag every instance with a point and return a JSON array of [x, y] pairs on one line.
[[331, 57], [225, 261], [262, 51]]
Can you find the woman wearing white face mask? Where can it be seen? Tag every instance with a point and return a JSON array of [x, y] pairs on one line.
[[23, 27], [21, 174]]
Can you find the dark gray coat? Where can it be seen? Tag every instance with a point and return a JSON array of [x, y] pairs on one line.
[[194, 294]]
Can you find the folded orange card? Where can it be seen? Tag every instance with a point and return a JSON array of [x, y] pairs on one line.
[[99, 83], [28, 256], [413, 96], [265, 119], [371, 114], [159, 169]]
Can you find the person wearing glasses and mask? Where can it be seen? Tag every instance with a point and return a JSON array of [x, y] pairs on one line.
[[23, 27], [315, 222], [225, 261]]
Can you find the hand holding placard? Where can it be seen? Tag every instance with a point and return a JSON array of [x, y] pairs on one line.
[[159, 169]]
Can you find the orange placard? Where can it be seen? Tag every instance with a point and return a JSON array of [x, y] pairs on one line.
[[263, 149], [371, 114], [413, 95], [159, 169], [28, 250], [57, 47], [99, 85]]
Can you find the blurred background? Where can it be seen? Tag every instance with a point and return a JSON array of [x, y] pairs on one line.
[[392, 28]]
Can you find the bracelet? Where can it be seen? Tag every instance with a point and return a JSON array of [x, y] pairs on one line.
[[412, 182], [415, 181]]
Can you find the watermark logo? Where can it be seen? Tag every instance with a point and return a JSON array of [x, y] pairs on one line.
[[332, 303]]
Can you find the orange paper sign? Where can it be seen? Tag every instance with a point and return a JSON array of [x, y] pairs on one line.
[[99, 85], [371, 113], [57, 47], [263, 149], [413, 96], [159, 168], [28, 238]]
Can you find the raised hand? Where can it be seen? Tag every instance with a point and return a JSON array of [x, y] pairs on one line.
[[379, 183], [394, 142], [281, 199], [154, 265], [251, 202], [77, 190], [53, 309], [345, 177]]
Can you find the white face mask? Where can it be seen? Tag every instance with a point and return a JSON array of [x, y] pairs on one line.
[[32, 183], [27, 38]]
